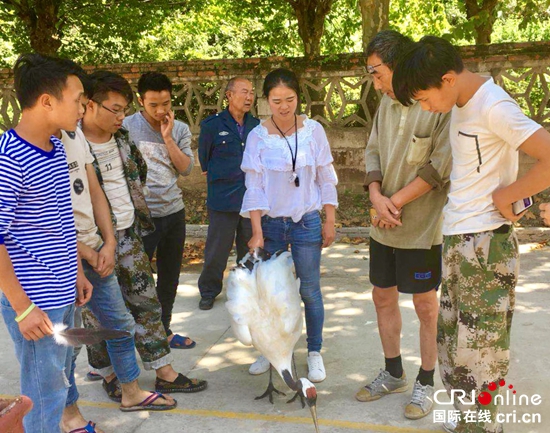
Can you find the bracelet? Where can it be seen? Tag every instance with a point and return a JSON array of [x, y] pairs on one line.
[[25, 313]]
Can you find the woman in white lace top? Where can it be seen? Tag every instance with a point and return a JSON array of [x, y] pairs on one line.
[[290, 179]]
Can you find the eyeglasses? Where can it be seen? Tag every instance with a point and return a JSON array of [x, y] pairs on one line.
[[117, 113], [372, 69]]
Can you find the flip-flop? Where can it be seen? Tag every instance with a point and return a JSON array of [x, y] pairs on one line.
[[178, 342], [88, 428], [147, 404]]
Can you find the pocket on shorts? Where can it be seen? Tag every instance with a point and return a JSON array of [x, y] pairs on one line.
[[419, 150]]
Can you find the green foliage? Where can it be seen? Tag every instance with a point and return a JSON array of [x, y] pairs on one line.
[[105, 31]]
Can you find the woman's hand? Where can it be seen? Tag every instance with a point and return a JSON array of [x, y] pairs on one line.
[[256, 241], [329, 233], [545, 213]]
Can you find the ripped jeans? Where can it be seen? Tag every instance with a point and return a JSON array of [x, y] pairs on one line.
[[45, 366]]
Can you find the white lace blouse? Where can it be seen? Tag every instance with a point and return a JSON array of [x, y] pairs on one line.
[[267, 163]]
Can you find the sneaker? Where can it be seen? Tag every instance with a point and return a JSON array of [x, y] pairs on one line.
[[421, 402], [384, 384], [260, 366], [449, 426], [315, 367]]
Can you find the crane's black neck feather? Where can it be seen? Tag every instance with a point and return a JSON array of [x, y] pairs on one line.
[[292, 384]]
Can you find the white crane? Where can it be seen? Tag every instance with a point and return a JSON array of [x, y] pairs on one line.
[[265, 309]]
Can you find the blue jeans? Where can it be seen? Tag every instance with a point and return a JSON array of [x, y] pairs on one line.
[[108, 306], [44, 367], [305, 240]]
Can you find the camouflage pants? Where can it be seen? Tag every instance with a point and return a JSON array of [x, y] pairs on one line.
[[477, 303], [138, 289]]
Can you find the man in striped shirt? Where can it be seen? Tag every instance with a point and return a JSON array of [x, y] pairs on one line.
[[39, 271]]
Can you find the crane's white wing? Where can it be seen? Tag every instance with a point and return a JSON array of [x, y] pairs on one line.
[[242, 301], [279, 300]]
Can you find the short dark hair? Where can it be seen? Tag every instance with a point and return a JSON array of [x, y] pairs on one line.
[[36, 74], [100, 83], [423, 66], [281, 76], [389, 45], [231, 83], [154, 81]]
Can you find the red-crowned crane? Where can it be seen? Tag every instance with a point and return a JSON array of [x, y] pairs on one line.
[[265, 309]]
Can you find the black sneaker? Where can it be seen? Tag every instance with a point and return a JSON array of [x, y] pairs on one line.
[[206, 303]]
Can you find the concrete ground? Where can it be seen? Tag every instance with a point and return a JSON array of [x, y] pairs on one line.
[[352, 354]]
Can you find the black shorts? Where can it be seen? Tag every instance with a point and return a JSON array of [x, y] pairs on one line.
[[412, 271]]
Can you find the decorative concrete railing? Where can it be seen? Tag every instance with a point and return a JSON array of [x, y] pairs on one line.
[[336, 90]]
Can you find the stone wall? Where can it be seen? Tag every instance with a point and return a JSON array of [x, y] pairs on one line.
[[336, 90]]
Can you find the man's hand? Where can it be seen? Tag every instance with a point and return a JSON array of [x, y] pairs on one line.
[[385, 225], [504, 207], [36, 325], [545, 213], [386, 211], [83, 288], [105, 260], [166, 126]]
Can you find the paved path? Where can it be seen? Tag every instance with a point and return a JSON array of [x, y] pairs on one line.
[[352, 354]]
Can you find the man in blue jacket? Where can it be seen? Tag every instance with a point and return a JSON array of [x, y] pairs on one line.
[[221, 146]]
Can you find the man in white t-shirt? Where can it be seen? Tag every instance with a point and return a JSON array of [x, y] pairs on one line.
[[97, 251], [480, 255]]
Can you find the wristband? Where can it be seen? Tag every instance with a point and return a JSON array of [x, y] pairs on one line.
[[25, 313]]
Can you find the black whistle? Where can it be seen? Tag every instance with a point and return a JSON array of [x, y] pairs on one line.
[[297, 181]]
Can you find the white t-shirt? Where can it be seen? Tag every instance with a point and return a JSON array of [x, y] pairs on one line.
[[114, 182], [486, 134], [78, 156]]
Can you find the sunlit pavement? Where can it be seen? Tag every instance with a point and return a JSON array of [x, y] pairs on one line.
[[352, 354]]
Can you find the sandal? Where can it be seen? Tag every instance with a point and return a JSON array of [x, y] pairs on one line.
[[113, 389], [180, 342], [93, 377], [88, 428], [181, 384], [147, 404]]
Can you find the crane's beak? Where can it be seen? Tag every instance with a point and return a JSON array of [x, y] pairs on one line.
[[311, 399], [313, 410]]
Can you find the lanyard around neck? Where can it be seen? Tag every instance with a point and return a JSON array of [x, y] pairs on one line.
[[293, 156]]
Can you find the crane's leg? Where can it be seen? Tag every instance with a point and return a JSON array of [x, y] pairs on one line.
[[270, 388], [298, 393]]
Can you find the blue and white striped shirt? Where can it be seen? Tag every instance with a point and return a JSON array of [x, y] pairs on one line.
[[36, 220]]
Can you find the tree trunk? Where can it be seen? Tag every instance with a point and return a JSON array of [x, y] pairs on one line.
[[483, 25], [374, 17], [42, 21], [311, 16]]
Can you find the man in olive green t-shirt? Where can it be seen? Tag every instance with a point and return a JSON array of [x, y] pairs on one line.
[[408, 162]]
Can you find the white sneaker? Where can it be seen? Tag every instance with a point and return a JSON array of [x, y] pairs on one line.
[[316, 368], [260, 366]]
